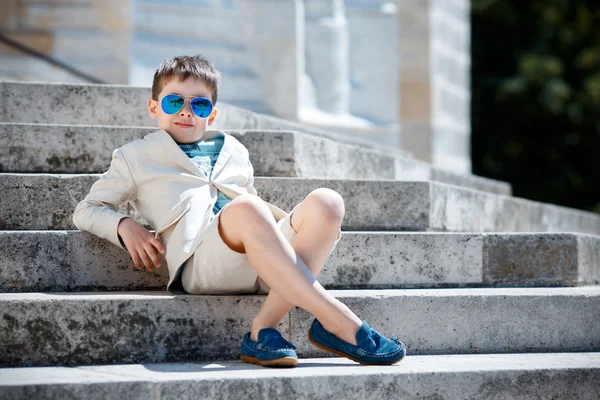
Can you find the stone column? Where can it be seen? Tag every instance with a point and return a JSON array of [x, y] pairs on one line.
[[374, 60], [278, 43], [434, 37], [327, 61]]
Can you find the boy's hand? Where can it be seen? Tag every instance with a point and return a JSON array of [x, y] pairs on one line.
[[140, 243]]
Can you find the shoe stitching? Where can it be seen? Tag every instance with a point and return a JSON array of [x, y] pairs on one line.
[[360, 351], [260, 347]]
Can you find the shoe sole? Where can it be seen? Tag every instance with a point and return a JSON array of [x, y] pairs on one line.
[[284, 362], [339, 353]]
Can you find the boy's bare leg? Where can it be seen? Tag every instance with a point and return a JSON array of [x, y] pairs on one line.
[[248, 226], [317, 220]]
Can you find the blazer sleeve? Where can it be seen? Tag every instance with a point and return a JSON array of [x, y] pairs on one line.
[[98, 212]]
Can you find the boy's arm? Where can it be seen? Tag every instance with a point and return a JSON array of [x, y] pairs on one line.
[[97, 213]]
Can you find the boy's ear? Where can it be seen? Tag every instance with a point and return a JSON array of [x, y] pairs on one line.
[[213, 115], [152, 108]]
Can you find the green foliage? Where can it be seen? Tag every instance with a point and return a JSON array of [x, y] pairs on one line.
[[536, 98]]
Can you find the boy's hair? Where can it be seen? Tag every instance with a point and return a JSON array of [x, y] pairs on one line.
[[184, 67]]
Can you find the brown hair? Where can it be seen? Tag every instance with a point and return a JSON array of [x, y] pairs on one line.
[[184, 67]]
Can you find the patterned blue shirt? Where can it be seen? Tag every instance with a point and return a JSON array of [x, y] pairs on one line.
[[205, 154]]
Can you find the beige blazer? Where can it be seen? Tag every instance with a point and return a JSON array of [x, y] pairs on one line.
[[167, 189]]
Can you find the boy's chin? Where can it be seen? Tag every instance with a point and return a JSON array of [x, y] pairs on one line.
[[184, 137]]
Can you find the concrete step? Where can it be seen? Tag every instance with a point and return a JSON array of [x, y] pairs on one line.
[[50, 329], [126, 106], [370, 205], [77, 149], [78, 261], [458, 377], [80, 149], [121, 105]]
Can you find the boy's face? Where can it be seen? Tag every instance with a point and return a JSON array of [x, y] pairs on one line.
[[183, 126]]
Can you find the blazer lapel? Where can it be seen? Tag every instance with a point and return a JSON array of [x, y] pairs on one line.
[[229, 146], [166, 143]]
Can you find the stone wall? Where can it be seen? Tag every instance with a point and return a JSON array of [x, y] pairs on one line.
[[396, 72], [434, 37], [92, 35]]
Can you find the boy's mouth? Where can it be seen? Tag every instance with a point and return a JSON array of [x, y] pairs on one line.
[[182, 125]]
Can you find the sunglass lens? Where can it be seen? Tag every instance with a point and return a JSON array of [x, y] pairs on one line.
[[172, 103], [202, 106]]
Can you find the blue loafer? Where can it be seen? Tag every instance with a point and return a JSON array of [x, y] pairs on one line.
[[372, 347], [271, 350]]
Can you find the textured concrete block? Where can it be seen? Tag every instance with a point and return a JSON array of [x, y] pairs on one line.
[[59, 261], [448, 321], [99, 265], [61, 104], [405, 206], [589, 259], [468, 377], [469, 181], [406, 209], [389, 259], [76, 149], [451, 208], [532, 260], [58, 329], [125, 106], [21, 209], [68, 329], [34, 260]]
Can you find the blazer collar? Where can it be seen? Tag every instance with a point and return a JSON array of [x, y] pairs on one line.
[[170, 147]]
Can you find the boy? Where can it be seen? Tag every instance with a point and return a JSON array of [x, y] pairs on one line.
[[195, 188]]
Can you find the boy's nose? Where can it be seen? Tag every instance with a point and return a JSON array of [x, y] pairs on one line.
[[186, 110]]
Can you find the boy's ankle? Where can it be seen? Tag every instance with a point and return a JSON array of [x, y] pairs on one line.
[[256, 327], [347, 334]]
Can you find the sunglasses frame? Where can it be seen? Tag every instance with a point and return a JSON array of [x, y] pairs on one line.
[[185, 102]]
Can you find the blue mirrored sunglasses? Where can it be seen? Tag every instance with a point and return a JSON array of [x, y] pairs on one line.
[[173, 103]]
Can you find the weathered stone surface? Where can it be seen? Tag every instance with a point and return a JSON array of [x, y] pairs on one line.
[[449, 321], [468, 377], [77, 386], [452, 209], [59, 261], [66, 328], [434, 38], [126, 106], [76, 149], [399, 205], [62, 104], [34, 260], [589, 259], [533, 260], [467, 181], [122, 106]]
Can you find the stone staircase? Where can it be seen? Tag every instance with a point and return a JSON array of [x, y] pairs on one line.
[[495, 297]]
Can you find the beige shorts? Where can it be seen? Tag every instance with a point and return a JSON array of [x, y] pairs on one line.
[[217, 269]]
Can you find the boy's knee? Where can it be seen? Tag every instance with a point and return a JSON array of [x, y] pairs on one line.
[[329, 202], [250, 205]]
